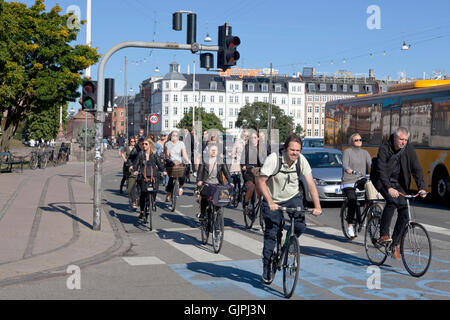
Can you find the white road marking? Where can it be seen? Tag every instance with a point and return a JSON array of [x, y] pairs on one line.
[[143, 261]]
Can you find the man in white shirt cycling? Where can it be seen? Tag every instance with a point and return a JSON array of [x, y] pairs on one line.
[[280, 187]]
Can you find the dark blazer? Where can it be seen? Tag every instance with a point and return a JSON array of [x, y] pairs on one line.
[[409, 165], [203, 173]]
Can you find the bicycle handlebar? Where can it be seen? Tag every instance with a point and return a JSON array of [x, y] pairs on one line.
[[411, 196], [297, 209]]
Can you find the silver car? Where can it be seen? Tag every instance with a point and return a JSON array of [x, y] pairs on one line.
[[326, 165]]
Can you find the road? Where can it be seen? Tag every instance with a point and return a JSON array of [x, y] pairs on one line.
[[171, 263]]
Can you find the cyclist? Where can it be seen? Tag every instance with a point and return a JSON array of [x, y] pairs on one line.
[[175, 152], [235, 167], [148, 166], [132, 163], [250, 160], [280, 188], [211, 171], [353, 159], [124, 154], [396, 162]]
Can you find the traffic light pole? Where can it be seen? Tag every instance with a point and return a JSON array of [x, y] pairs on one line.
[[100, 115]]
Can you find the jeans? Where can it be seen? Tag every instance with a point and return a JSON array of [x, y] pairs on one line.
[[388, 212], [352, 204], [273, 220]]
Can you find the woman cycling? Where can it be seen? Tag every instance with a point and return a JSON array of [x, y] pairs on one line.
[[175, 152], [353, 159], [149, 166], [211, 171]]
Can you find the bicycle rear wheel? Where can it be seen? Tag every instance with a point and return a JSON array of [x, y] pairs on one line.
[[291, 266], [150, 211], [262, 223], [415, 248], [375, 252], [34, 162], [217, 230]]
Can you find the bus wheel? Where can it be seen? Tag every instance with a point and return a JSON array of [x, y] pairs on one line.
[[441, 185]]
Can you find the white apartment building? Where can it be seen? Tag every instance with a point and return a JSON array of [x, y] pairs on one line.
[[174, 95]]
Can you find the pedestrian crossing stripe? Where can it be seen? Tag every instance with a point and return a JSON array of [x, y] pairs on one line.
[[143, 261]]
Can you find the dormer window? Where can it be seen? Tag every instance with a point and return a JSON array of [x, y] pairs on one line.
[[265, 87], [213, 85], [251, 87]]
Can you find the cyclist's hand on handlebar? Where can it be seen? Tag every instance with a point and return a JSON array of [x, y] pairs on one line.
[[199, 183], [422, 193], [393, 193], [273, 206], [317, 211]]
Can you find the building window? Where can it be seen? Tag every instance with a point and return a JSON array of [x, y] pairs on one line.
[[175, 110], [316, 98], [236, 99], [255, 99], [323, 87], [309, 108], [185, 98], [203, 98], [309, 120], [230, 100], [316, 132], [211, 99], [311, 87], [334, 86], [166, 124], [316, 120], [175, 85], [221, 99], [316, 109], [265, 99], [355, 88], [213, 85], [251, 87], [185, 110], [344, 88], [247, 100], [230, 112], [230, 125], [175, 98], [265, 87], [324, 98], [167, 85], [309, 132], [175, 123], [211, 110], [283, 100], [278, 88], [293, 100], [197, 85], [310, 99], [220, 111], [274, 100], [166, 98], [236, 87], [166, 110], [299, 100]]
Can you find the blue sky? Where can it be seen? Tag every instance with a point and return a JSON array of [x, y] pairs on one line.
[[329, 35]]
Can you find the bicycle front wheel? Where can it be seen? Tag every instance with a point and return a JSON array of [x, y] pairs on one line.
[[344, 223], [217, 230], [34, 162], [176, 187], [415, 248], [291, 266], [150, 213], [248, 219], [375, 251]]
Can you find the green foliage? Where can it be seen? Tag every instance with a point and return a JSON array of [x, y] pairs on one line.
[[45, 124], [39, 68], [209, 120], [259, 110]]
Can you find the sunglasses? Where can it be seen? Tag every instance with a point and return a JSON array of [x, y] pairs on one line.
[[132, 141], [146, 144], [356, 140]]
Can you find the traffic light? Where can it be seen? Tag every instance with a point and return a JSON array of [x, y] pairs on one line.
[[89, 95], [109, 95], [227, 54]]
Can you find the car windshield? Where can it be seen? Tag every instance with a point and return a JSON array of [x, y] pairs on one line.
[[313, 143], [324, 159]]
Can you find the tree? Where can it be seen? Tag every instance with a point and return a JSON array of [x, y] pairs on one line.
[[209, 120], [259, 110], [39, 69], [45, 124], [90, 138]]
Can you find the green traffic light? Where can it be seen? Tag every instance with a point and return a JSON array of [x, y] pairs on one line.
[[88, 104]]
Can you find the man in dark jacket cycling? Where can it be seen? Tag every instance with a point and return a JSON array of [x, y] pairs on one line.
[[397, 161]]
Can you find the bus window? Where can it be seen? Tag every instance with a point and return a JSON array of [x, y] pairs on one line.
[[375, 125], [349, 123], [386, 123], [364, 122], [416, 116], [441, 125]]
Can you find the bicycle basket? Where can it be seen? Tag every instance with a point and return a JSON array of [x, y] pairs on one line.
[[371, 192], [219, 195], [176, 171]]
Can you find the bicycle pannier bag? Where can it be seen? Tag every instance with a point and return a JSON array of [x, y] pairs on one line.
[[219, 195], [371, 192]]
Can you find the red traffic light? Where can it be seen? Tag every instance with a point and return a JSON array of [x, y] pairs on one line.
[[88, 87], [233, 42]]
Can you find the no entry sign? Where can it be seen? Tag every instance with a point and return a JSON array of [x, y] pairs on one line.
[[153, 118]]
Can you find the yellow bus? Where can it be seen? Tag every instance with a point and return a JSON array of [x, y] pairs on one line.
[[423, 107]]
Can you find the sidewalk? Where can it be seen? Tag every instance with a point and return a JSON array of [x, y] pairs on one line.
[[46, 222]]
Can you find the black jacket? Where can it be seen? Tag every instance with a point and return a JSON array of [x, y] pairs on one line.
[[409, 165], [203, 173]]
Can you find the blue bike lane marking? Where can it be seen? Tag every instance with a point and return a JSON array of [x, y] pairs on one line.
[[337, 276]]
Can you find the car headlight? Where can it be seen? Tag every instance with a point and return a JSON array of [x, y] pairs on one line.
[[320, 182]]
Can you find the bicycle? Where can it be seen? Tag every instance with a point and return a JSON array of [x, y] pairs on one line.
[[371, 208], [415, 244], [236, 194], [214, 222], [286, 256], [149, 207], [175, 172]]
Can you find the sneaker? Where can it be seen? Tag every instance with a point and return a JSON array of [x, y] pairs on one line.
[[266, 275], [351, 232], [397, 254]]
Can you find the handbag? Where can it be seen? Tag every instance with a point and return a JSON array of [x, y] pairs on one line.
[[149, 183]]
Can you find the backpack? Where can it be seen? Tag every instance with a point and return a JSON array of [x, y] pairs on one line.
[[297, 170]]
